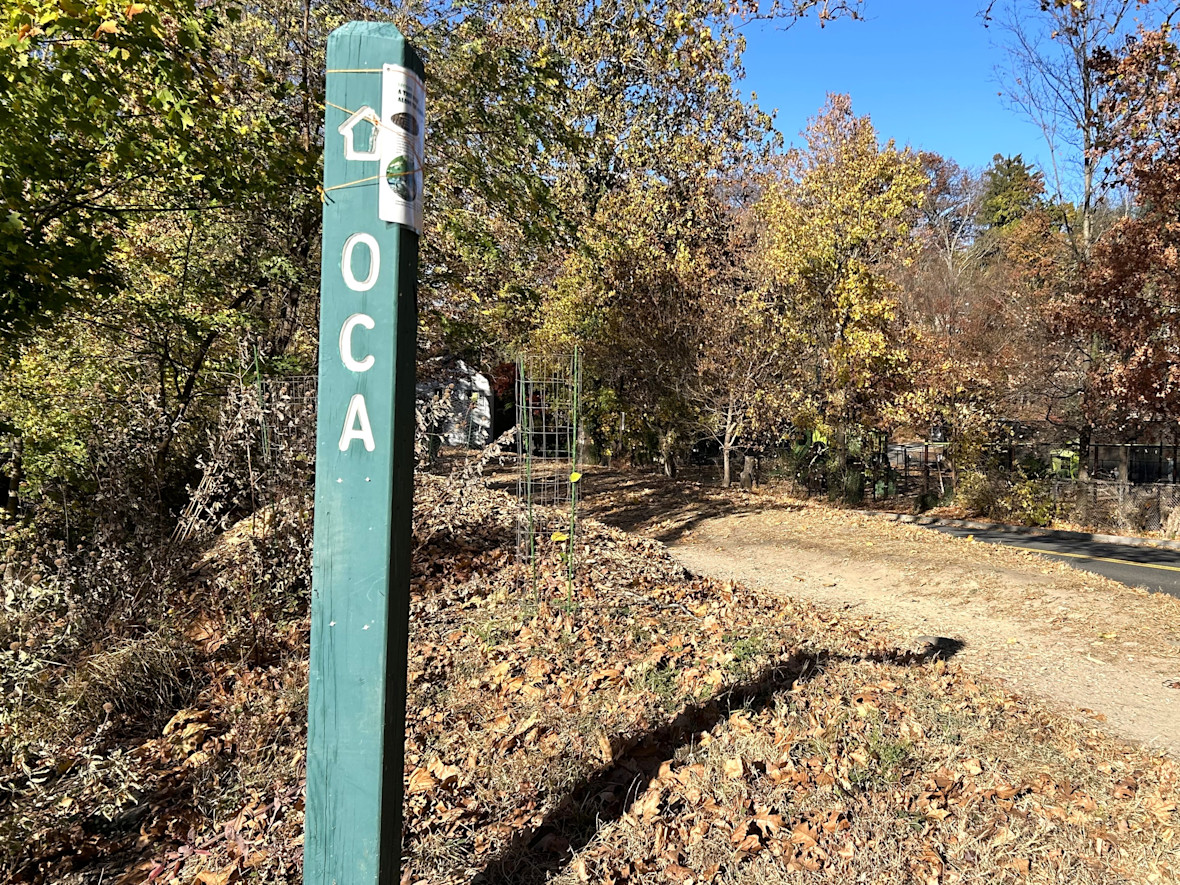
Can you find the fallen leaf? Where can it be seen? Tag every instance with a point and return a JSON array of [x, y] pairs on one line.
[[421, 781], [223, 877]]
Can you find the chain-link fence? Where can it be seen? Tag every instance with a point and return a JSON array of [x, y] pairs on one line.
[[1119, 506], [1134, 463]]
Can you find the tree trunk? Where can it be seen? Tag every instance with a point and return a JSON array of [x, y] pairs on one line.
[[668, 454], [749, 474], [840, 438], [727, 444], [1124, 486], [1085, 435]]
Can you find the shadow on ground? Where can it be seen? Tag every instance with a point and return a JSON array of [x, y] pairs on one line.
[[533, 857], [634, 500], [657, 506]]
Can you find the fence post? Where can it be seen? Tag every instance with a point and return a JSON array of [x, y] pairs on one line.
[[926, 470]]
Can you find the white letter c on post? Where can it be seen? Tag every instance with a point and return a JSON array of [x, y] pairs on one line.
[[350, 362]]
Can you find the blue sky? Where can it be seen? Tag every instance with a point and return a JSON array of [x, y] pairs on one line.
[[922, 69]]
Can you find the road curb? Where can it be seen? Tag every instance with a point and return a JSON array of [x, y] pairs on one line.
[[980, 526]]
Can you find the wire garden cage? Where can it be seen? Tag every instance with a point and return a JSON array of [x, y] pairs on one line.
[[548, 420]]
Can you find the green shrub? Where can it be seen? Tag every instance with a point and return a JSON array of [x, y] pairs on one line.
[[978, 492], [1028, 502], [1022, 500]]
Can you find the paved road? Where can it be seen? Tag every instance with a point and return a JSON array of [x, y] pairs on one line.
[[1151, 567]]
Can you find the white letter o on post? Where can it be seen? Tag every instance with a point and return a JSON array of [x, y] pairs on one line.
[[374, 262]]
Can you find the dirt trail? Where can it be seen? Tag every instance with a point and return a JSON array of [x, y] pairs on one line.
[[1087, 645]]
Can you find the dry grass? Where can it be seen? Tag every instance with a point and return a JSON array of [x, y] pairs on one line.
[[664, 729], [137, 679]]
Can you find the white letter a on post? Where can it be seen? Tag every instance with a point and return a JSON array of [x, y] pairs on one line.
[[356, 425]]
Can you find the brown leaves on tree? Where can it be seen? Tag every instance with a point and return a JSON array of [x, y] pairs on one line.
[[1130, 291]]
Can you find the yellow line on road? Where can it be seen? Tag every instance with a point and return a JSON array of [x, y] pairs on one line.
[[1170, 568]]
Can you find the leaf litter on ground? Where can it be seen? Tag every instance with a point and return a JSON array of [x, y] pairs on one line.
[[663, 728]]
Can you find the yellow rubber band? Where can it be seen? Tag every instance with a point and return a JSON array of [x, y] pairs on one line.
[[323, 191], [337, 187]]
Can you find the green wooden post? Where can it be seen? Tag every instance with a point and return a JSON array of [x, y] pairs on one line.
[[373, 134]]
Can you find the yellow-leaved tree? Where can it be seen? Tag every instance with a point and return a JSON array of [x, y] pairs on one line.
[[837, 214]]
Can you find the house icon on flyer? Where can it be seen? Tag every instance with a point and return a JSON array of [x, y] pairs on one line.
[[395, 140]]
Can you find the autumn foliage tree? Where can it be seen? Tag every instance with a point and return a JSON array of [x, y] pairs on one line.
[[1055, 77], [736, 391], [1130, 295], [91, 99], [839, 210], [651, 193], [1025, 264], [547, 122], [948, 312], [143, 256]]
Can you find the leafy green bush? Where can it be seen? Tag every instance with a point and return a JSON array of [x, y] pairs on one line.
[[1028, 502], [978, 492], [1022, 500]]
